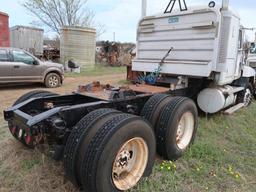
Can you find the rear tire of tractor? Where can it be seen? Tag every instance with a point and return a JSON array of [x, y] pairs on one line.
[[52, 80], [33, 94], [120, 153], [78, 142], [153, 107], [176, 127], [29, 95]]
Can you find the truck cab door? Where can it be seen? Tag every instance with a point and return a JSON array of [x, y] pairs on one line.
[[25, 67], [240, 54], [5, 67]]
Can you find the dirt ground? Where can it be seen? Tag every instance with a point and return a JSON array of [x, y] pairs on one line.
[[8, 94], [27, 170]]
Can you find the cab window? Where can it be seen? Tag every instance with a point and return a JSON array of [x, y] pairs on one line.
[[3, 55], [253, 48], [21, 56], [240, 39]]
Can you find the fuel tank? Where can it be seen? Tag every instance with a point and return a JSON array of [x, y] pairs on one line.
[[212, 100]]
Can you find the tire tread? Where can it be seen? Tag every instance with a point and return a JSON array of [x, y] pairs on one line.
[[151, 105], [166, 116], [78, 133], [96, 147]]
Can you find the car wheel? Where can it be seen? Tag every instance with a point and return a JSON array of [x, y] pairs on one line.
[[52, 80]]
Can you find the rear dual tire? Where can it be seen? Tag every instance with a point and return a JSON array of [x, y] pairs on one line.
[[78, 140], [33, 94], [109, 151], [176, 128], [175, 121], [154, 106]]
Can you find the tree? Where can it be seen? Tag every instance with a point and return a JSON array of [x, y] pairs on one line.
[[58, 13]]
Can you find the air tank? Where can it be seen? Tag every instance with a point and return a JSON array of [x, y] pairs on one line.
[[78, 44]]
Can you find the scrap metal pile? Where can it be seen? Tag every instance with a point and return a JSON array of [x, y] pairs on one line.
[[51, 50], [113, 53], [106, 92]]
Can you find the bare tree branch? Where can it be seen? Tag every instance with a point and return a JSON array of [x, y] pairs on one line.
[[58, 13]]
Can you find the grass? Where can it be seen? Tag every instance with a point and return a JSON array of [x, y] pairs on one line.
[[124, 82], [97, 71], [3, 133], [222, 159]]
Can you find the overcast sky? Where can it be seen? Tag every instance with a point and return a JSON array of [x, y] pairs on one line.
[[121, 16]]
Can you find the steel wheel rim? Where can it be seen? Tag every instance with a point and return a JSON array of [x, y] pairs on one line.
[[130, 164], [247, 97], [185, 130], [53, 81]]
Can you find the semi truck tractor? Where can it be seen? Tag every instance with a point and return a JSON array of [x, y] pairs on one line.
[[107, 137], [207, 58]]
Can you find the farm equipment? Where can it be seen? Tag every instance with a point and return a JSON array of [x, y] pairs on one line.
[[107, 136]]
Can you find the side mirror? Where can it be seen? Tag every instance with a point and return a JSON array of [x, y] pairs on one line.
[[35, 62]]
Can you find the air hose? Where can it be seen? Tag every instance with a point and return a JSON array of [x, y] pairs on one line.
[[152, 77]]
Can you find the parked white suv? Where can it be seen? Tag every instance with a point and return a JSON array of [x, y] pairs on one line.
[[19, 66]]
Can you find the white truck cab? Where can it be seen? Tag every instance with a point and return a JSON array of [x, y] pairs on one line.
[[206, 44]]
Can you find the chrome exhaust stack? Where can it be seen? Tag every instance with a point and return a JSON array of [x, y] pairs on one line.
[[225, 4], [144, 8]]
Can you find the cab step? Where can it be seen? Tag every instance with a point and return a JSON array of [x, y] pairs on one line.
[[233, 109]]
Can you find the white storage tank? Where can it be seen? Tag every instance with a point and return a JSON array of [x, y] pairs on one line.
[[78, 44], [27, 38]]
